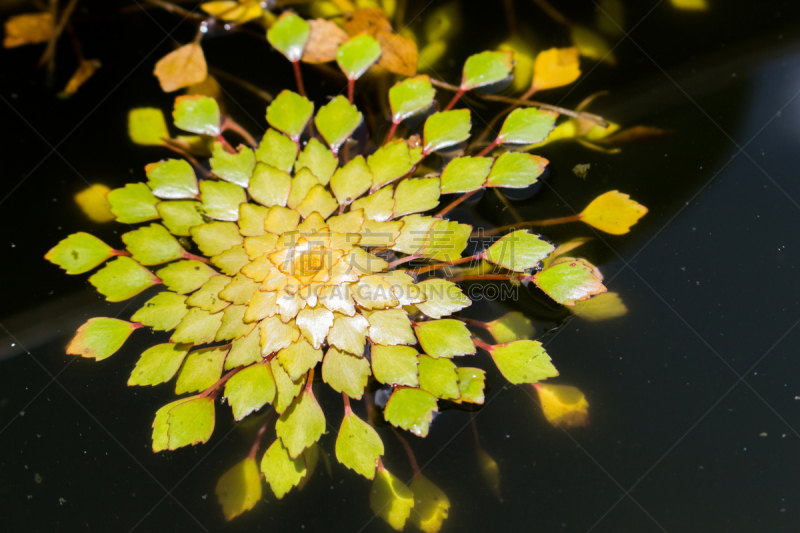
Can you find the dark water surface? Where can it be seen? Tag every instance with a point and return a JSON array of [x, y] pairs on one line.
[[695, 394]]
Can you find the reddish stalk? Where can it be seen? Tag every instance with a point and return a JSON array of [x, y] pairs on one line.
[[456, 202], [187, 255], [480, 344], [405, 259], [351, 88], [489, 148], [260, 435], [482, 277], [216, 387], [450, 263], [195, 163], [409, 452], [455, 99], [476, 323], [545, 222], [310, 382], [226, 144], [299, 77], [391, 132], [120, 252], [228, 124], [347, 409]]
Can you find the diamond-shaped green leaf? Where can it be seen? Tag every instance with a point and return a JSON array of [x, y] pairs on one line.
[[163, 312], [146, 126], [216, 237], [446, 128], [439, 377], [152, 245], [250, 389], [319, 160], [158, 364], [569, 282], [221, 199], [302, 424], [465, 174], [395, 365], [201, 369], [411, 409], [416, 196], [281, 471], [79, 253], [197, 327], [486, 68], [336, 121], [444, 338], [172, 179], [289, 113], [411, 96], [179, 216], [471, 383], [133, 203], [100, 338], [185, 276], [197, 114], [345, 372], [121, 279], [358, 445], [390, 499], [523, 361], [190, 422], [442, 298], [351, 181], [289, 35], [446, 240], [235, 168], [527, 126], [518, 251], [357, 55], [516, 170], [277, 150]]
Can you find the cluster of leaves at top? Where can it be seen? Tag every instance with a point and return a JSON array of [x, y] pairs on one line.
[[300, 265]]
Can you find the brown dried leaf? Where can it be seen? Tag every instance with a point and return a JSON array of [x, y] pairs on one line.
[[399, 54], [30, 28], [371, 21], [85, 70], [184, 67], [323, 41]]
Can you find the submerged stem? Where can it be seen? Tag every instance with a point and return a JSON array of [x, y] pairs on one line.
[[299, 77], [546, 222]]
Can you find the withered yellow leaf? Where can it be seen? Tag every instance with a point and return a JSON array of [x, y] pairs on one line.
[[85, 70], [613, 212], [563, 405], [29, 28], [398, 54], [181, 68], [604, 306], [555, 68]]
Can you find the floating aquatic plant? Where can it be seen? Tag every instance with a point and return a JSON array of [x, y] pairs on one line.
[[309, 258]]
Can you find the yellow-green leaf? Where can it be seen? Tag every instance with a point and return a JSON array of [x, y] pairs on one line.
[[439, 377], [152, 245], [357, 55], [277, 150], [191, 422], [518, 251], [345, 372], [513, 326], [121, 279], [351, 181], [444, 338], [185, 276], [287, 388], [100, 338], [233, 167], [569, 282], [250, 389], [523, 361], [289, 113], [486, 68], [163, 312], [470, 383], [563, 405], [446, 128], [201, 369], [289, 35], [197, 327], [158, 364], [319, 160], [416, 196], [172, 179], [465, 174], [302, 424], [395, 365], [442, 298], [133, 203], [282, 472], [197, 114], [527, 125], [179, 216], [348, 333], [244, 350], [221, 199], [591, 44], [216, 237], [605, 306], [446, 240], [516, 170], [378, 206], [431, 505], [358, 445], [270, 186], [299, 357], [79, 253], [411, 409], [336, 121], [410, 96]]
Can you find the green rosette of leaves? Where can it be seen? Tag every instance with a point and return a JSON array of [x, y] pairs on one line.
[[300, 263]]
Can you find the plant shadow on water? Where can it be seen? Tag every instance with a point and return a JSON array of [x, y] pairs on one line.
[[702, 312]]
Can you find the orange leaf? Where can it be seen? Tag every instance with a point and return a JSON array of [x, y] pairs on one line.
[[323, 41], [399, 54], [85, 70], [30, 28], [181, 68], [613, 212], [555, 68], [370, 21]]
